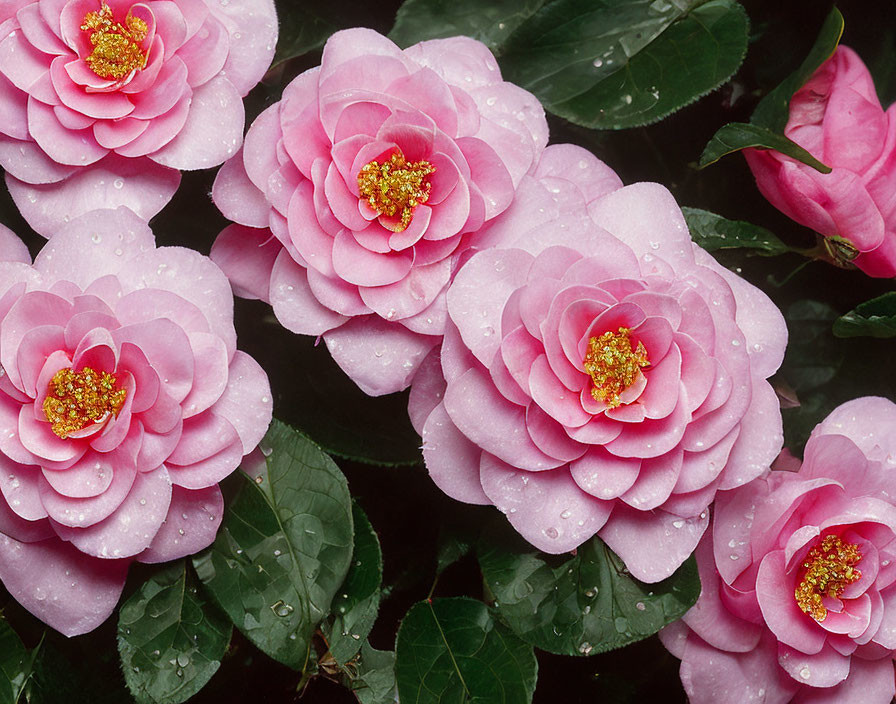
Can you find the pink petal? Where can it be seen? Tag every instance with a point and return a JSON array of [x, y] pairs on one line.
[[293, 301], [209, 450], [191, 525], [451, 459], [247, 401], [69, 147], [252, 45], [774, 589], [237, 197], [88, 511], [246, 255], [604, 475]]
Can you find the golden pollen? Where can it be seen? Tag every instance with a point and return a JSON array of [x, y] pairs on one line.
[[830, 568], [613, 365], [395, 187], [77, 399], [116, 48]]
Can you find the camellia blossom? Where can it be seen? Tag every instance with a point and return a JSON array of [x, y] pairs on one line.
[[600, 374], [374, 173], [837, 117], [123, 403], [102, 100], [799, 576]]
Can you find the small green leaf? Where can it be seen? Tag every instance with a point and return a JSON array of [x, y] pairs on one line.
[[874, 318], [16, 665], [740, 135], [452, 650], [284, 547], [582, 605], [357, 602], [813, 358], [170, 641], [713, 232], [489, 22], [692, 57], [374, 680], [453, 545], [304, 26]]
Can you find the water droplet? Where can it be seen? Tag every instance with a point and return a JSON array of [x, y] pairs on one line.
[[640, 606], [96, 237], [805, 673], [118, 183], [281, 608], [552, 533], [566, 514], [598, 62]]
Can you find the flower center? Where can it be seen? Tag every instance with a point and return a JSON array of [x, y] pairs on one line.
[[77, 399], [116, 48], [830, 568], [613, 365], [395, 187]]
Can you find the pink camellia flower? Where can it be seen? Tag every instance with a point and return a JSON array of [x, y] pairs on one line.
[[600, 374], [123, 403], [799, 576], [374, 173], [838, 118], [101, 100]]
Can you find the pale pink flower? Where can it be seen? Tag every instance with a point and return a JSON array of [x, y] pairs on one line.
[[358, 255], [520, 409], [838, 118], [799, 576], [123, 403], [102, 100]]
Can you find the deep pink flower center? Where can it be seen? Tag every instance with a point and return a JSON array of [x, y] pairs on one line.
[[395, 187], [613, 365], [77, 399], [829, 569], [117, 48]]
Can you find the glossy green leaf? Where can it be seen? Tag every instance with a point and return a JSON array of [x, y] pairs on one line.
[[452, 650], [304, 26], [16, 664], [692, 57], [171, 642], [621, 63], [874, 318], [490, 22], [741, 135], [373, 680], [582, 605], [357, 602], [284, 547], [713, 232]]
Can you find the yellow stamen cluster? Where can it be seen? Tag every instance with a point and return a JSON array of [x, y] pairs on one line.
[[395, 187], [117, 48], [830, 568], [613, 365], [77, 399]]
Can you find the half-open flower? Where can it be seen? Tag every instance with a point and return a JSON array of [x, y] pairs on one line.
[[123, 403], [373, 173], [799, 576], [92, 85]]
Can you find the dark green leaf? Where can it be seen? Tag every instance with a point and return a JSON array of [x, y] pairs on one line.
[[374, 679], [356, 604], [582, 605], [452, 650], [622, 63], [284, 547], [58, 680], [874, 318], [813, 358], [171, 642], [304, 26], [15, 665], [490, 22], [452, 547], [713, 232], [692, 57], [740, 135]]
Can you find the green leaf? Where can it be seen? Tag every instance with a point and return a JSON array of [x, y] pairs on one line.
[[490, 22], [713, 232], [582, 605], [874, 318], [452, 650], [691, 58], [59, 680], [813, 358], [304, 26], [374, 680], [612, 64], [171, 642], [284, 547], [740, 135], [358, 599], [16, 665], [453, 545]]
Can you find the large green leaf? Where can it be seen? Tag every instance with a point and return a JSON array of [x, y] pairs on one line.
[[874, 318], [713, 232], [357, 602], [741, 135], [452, 650], [284, 547], [373, 681], [581, 605], [622, 63], [490, 22], [171, 642], [16, 664]]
